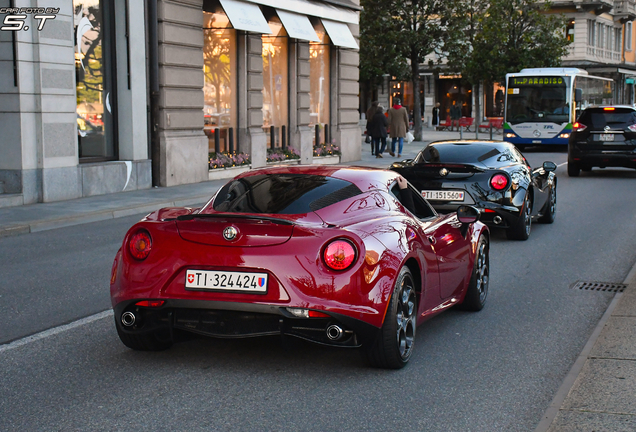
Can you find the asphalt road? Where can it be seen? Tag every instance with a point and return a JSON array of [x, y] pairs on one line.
[[496, 370]]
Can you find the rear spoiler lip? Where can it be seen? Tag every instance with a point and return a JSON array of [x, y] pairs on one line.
[[451, 166], [233, 216]]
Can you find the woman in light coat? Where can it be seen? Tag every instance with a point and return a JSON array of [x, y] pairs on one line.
[[398, 126]]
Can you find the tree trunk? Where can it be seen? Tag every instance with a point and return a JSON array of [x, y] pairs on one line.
[[477, 97], [417, 112]]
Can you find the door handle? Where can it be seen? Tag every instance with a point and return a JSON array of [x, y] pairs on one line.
[[432, 240]]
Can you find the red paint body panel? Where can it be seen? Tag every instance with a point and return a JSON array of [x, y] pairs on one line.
[[385, 235]]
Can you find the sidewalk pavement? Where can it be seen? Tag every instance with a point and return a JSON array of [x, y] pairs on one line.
[[598, 393]]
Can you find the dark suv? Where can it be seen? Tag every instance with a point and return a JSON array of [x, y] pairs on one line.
[[603, 136]]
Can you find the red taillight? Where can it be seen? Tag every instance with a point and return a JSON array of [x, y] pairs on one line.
[[632, 127], [150, 303], [316, 314], [140, 245], [339, 255], [609, 109], [499, 182], [579, 127], [489, 211]]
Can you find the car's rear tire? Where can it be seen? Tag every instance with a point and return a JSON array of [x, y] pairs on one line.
[[394, 344], [550, 207], [153, 341], [477, 291], [520, 230], [573, 169]]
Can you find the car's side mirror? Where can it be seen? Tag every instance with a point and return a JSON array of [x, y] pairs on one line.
[[578, 95], [467, 214], [549, 166]]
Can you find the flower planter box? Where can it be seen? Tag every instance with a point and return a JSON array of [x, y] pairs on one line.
[[226, 173], [326, 160], [285, 162]]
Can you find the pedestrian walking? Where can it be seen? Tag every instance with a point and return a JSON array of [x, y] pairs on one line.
[[455, 114], [377, 129], [398, 126], [435, 120], [369, 114]]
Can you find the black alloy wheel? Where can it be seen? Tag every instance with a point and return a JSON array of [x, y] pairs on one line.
[[550, 209], [394, 344], [520, 230], [477, 291]]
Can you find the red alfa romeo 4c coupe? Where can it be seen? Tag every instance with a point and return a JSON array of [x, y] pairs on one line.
[[350, 257]]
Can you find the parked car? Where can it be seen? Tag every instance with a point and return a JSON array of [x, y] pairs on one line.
[[328, 254], [603, 136], [491, 175]]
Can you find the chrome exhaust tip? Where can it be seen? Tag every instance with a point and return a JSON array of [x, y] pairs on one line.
[[334, 332], [128, 319], [497, 220]]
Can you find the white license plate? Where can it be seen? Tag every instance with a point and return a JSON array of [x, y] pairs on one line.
[[443, 195], [536, 141], [226, 281], [606, 137]]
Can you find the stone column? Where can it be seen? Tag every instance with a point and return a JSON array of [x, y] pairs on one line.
[[255, 136], [345, 103], [184, 146], [305, 132], [37, 117]]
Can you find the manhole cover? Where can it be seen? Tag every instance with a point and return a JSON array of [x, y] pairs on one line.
[[599, 286]]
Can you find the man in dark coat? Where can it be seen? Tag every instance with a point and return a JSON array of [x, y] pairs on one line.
[[455, 114], [377, 129]]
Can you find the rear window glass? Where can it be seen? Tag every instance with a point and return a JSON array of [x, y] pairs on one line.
[[282, 194], [598, 119], [458, 153]]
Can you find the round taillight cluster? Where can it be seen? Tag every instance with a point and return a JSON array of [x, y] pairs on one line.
[[140, 245], [339, 255], [499, 182]]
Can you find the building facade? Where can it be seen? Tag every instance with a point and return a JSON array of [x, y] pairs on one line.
[[118, 95]]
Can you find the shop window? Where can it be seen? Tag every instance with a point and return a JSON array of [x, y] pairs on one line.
[[94, 82], [219, 85], [569, 30], [275, 85], [319, 90]]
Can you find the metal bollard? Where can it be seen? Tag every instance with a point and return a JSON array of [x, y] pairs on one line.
[[272, 137], [283, 133], [231, 139], [217, 140], [490, 131]]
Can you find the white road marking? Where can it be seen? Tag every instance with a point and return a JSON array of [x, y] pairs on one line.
[[55, 330], [561, 164]]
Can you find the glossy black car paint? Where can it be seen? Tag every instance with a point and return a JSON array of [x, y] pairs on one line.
[[470, 165], [586, 149]]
